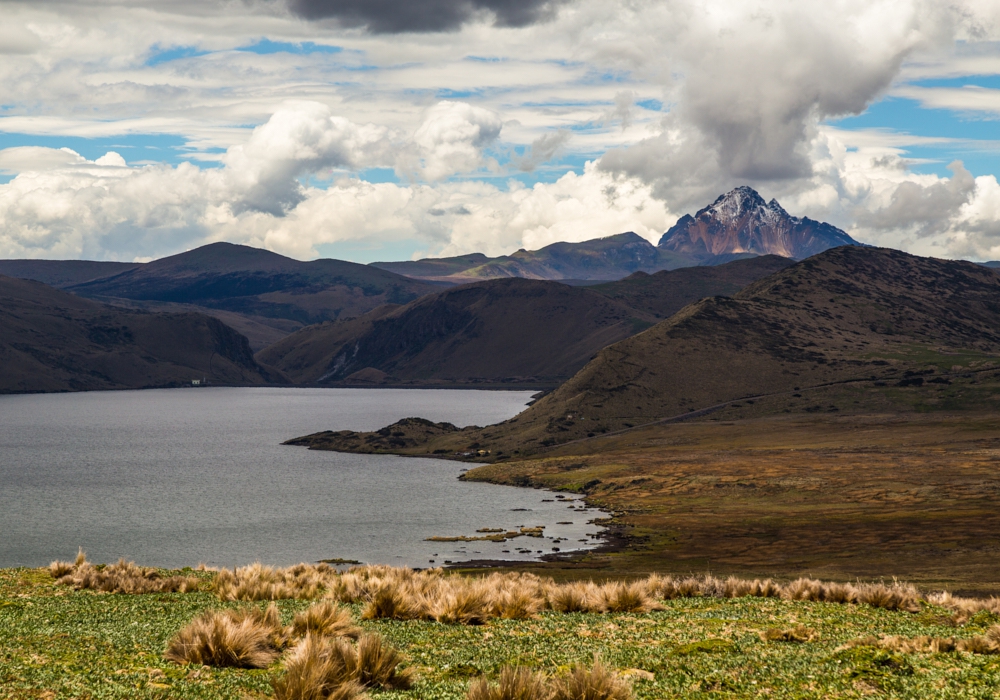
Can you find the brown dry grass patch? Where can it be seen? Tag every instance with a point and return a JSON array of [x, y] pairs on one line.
[[248, 638], [121, 577]]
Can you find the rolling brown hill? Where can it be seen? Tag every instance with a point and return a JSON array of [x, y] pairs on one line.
[[265, 294], [500, 331], [847, 330], [54, 341]]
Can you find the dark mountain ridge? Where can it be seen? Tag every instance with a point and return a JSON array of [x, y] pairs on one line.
[[263, 294], [220, 273], [62, 273], [504, 331], [54, 341]]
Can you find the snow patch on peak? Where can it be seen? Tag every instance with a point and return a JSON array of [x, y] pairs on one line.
[[734, 204]]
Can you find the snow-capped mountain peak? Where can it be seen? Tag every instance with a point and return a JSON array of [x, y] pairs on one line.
[[740, 222]]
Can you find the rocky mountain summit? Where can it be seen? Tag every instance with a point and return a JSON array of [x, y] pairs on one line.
[[741, 222]]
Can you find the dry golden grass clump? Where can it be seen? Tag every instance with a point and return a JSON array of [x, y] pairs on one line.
[[798, 634], [251, 637], [395, 602], [897, 596], [318, 668], [595, 682], [513, 684], [964, 608], [121, 577], [326, 619], [377, 664], [987, 643], [461, 605], [248, 638], [259, 582], [321, 668], [404, 594], [515, 604], [635, 597], [573, 597]]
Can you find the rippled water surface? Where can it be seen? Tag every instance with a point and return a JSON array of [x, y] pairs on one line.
[[180, 476]]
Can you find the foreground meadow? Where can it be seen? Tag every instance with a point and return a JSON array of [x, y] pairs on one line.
[[57, 640]]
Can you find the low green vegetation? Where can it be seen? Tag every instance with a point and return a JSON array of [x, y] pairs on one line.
[[59, 642]]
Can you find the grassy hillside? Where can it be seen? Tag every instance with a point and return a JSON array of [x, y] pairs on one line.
[[54, 341]]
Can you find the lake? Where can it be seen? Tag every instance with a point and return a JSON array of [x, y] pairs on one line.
[[175, 477]]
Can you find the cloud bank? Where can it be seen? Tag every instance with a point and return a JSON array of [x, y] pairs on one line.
[[397, 16], [497, 124]]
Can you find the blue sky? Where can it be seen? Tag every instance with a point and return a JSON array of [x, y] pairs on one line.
[[972, 138], [364, 137]]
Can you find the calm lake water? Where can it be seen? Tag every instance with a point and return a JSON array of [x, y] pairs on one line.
[[175, 477]]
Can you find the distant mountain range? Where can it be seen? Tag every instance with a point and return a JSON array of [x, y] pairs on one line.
[[851, 329], [54, 341], [505, 331], [609, 258], [738, 224], [267, 296], [335, 322]]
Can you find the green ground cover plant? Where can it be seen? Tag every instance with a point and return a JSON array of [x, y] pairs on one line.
[[56, 641]]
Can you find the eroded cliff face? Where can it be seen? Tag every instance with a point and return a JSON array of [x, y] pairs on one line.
[[741, 222]]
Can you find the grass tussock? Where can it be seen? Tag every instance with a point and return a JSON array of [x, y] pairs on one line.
[[798, 634], [260, 582], [377, 665], [964, 608], [594, 682], [987, 643], [248, 638], [512, 684], [121, 577], [321, 668], [325, 619]]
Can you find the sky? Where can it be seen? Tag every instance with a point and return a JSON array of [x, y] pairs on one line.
[[395, 129]]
